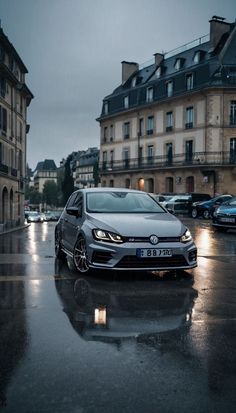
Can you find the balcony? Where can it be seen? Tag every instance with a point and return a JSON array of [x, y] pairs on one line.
[[4, 168], [198, 159], [189, 125], [169, 128]]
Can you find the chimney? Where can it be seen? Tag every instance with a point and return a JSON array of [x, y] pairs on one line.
[[128, 68], [217, 28], [158, 59]]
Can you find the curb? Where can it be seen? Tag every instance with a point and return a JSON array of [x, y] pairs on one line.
[[14, 229]]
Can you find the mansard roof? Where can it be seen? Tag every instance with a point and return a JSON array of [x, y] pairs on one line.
[[216, 67]]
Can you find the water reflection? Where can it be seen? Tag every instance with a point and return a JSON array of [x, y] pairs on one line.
[[112, 309], [13, 333]]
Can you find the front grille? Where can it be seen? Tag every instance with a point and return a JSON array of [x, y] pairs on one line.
[[132, 261], [147, 239], [101, 257]]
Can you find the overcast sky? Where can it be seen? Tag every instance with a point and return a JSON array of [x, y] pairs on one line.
[[73, 51]]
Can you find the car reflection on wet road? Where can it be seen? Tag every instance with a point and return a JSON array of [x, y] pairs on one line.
[[156, 342]]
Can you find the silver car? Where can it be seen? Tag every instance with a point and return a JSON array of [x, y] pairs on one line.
[[122, 229]]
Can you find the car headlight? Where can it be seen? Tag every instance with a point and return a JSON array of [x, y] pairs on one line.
[[101, 235], [186, 237]]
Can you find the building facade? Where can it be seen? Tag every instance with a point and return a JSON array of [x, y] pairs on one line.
[[171, 125], [15, 98], [84, 172], [44, 171]]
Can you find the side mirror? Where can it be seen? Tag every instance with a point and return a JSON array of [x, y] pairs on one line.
[[75, 211], [171, 211]]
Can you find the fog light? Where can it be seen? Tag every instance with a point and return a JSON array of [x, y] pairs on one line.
[[192, 256]]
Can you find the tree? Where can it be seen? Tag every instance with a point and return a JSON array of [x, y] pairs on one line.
[[50, 192], [68, 181], [96, 176], [34, 197]]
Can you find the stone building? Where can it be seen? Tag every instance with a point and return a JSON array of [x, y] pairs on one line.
[[84, 172], [44, 171], [15, 98], [171, 125]]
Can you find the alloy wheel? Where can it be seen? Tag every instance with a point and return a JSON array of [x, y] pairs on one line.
[[194, 213], [80, 255]]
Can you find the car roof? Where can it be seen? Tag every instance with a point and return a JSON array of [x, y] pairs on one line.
[[110, 189]]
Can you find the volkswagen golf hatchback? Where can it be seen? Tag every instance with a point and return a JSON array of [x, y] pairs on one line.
[[122, 229]]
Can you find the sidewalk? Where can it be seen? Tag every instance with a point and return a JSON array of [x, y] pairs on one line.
[[14, 229]]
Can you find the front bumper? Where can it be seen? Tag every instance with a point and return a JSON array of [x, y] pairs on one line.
[[123, 256]]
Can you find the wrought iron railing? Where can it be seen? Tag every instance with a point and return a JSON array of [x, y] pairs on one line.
[[176, 161]]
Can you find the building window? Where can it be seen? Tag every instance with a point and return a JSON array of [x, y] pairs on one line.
[[232, 153], [169, 121], [104, 160], [111, 159], [196, 57], [188, 151], [158, 72], [126, 130], [169, 88], [3, 119], [134, 80], [141, 127], [126, 158], [169, 153], [189, 118], [150, 125], [106, 108], [178, 64], [150, 154], [3, 87], [189, 81], [105, 134], [149, 94], [232, 119], [126, 102], [111, 133]]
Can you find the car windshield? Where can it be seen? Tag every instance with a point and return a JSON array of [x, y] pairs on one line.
[[122, 202], [232, 202]]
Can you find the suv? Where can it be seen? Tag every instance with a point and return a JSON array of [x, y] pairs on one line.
[[182, 203]]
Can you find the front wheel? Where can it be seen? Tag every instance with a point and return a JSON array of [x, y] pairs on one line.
[[80, 255], [194, 213], [58, 250], [206, 214]]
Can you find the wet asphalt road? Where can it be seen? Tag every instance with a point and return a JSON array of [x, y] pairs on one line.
[[152, 343]]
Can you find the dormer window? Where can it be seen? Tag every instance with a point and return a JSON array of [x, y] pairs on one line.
[[149, 94], [177, 64], [134, 80], [196, 57], [158, 72], [126, 102], [106, 108], [169, 88]]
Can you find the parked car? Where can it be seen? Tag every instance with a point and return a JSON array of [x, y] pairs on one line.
[[34, 216], [182, 203], [224, 217], [122, 229], [207, 208], [159, 198]]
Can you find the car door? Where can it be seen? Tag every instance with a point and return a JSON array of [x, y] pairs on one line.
[[72, 223]]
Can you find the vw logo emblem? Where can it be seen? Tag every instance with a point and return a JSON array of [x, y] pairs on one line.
[[153, 239]]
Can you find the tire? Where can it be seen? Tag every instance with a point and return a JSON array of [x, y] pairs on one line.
[[194, 213], [58, 250], [206, 214], [80, 256]]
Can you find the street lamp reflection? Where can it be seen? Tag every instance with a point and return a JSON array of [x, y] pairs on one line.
[[100, 316]]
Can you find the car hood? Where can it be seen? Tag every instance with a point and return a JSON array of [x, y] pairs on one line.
[[160, 224], [227, 209]]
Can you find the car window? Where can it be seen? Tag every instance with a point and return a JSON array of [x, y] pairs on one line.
[[119, 202], [71, 200]]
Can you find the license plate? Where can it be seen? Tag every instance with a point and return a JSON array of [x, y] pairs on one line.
[[153, 252], [227, 219]]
